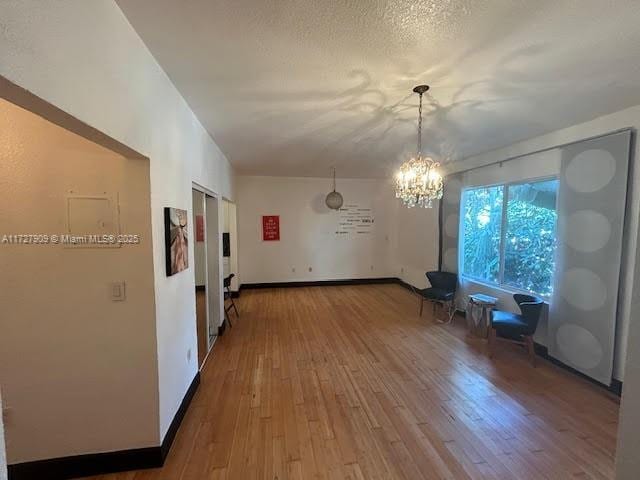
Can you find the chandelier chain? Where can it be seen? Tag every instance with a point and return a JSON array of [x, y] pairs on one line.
[[420, 128]]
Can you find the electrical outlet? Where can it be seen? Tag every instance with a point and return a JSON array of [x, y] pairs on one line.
[[401, 269], [371, 267], [293, 270], [310, 269], [188, 355]]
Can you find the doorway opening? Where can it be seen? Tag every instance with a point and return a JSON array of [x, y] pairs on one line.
[[230, 244], [207, 270], [200, 271], [85, 206]]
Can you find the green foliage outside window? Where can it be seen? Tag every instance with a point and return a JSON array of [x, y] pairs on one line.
[[529, 240], [482, 230]]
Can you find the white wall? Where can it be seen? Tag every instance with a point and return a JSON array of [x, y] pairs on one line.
[[404, 243], [629, 117], [72, 361], [415, 249], [85, 58], [627, 458], [233, 233], [307, 230]]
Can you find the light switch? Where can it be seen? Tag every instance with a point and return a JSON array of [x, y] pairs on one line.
[[117, 291]]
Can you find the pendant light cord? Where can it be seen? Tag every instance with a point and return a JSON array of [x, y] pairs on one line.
[[420, 128], [334, 179]]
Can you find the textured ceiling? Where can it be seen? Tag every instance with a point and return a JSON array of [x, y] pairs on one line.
[[294, 87]]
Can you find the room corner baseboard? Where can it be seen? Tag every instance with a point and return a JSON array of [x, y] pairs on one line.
[[320, 283], [616, 387], [109, 462], [543, 351], [406, 285]]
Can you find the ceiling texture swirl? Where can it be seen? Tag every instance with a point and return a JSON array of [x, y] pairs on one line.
[[294, 87]]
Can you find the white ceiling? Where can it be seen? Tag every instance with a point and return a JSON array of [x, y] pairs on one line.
[[295, 87]]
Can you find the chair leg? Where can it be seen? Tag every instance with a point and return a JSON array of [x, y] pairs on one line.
[[233, 304], [421, 305], [492, 342], [452, 311], [226, 315], [531, 349], [434, 309]]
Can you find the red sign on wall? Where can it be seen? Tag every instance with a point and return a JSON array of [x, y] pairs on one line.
[[270, 228], [199, 228]]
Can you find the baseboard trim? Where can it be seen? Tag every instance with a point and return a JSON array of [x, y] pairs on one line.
[[320, 283], [109, 462], [543, 351], [179, 416], [406, 285], [87, 465]]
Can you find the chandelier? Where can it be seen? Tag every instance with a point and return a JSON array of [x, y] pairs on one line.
[[418, 182]]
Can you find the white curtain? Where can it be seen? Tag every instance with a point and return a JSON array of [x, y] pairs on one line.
[[591, 208]]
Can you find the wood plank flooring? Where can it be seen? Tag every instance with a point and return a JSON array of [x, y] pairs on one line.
[[350, 383]]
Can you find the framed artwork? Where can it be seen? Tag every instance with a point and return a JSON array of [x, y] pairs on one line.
[[176, 240], [270, 228]]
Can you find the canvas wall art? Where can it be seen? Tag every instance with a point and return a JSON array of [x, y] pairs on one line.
[[176, 240]]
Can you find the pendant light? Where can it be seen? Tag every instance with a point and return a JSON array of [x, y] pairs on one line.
[[334, 199]]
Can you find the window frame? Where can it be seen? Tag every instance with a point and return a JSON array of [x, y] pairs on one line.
[[503, 233]]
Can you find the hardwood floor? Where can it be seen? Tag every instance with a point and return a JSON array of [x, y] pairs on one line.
[[348, 382]]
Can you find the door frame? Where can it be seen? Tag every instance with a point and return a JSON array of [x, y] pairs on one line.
[[214, 303]]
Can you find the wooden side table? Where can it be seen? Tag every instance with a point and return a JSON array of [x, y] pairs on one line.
[[479, 313]]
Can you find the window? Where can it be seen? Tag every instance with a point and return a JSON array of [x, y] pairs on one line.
[[482, 232], [509, 235]]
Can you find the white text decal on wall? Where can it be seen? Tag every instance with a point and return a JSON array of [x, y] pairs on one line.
[[354, 220]]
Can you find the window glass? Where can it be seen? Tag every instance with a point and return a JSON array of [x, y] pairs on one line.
[[482, 232], [517, 248], [530, 239]]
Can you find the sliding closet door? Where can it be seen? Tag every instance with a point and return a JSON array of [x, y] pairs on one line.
[[591, 206]]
